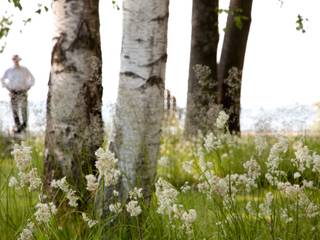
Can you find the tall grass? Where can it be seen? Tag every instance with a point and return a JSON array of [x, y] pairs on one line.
[[213, 195]]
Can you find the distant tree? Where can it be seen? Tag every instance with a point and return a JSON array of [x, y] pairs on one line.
[[212, 87], [232, 59], [204, 43], [140, 103], [74, 122]]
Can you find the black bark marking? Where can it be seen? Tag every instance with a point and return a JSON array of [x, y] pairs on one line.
[[153, 81], [132, 75], [161, 59], [84, 38], [57, 54], [160, 18], [126, 56]]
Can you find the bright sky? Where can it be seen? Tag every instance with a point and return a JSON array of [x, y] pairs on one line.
[[281, 65]]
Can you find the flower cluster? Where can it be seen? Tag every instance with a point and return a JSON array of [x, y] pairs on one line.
[[167, 205], [222, 119], [63, 185], [27, 176], [133, 207], [27, 232], [106, 164], [92, 183], [89, 221], [44, 212]]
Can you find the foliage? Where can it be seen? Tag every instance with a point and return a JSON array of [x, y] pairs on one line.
[[214, 187]]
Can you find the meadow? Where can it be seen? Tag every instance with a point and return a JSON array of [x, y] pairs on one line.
[[217, 186]]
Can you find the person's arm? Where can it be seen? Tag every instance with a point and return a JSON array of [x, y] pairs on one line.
[[3, 79], [30, 78]]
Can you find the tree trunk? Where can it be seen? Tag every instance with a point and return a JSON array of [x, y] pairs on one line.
[[232, 59], [140, 102], [204, 42], [74, 121]]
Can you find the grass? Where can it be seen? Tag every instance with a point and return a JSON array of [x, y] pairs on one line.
[[222, 213]]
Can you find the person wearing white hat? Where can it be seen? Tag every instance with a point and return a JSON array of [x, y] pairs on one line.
[[18, 80]]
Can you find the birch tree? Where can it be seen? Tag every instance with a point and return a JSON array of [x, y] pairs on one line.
[[204, 43], [232, 60], [74, 121], [139, 107]]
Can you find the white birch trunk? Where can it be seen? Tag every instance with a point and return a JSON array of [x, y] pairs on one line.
[[139, 108], [74, 121]]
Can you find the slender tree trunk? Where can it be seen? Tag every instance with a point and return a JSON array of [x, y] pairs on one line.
[[74, 121], [232, 59], [204, 43], [140, 103]]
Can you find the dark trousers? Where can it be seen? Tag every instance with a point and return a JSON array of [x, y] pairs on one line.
[[19, 105]]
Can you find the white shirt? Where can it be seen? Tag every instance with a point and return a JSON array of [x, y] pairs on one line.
[[17, 79]]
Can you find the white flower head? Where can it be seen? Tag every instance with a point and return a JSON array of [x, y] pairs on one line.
[[136, 193], [189, 216], [12, 182], [22, 156], [107, 166], [133, 208], [27, 232], [89, 221], [115, 208], [187, 166], [163, 161], [222, 120], [92, 183], [166, 195], [44, 212]]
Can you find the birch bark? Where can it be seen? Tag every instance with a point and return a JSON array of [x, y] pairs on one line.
[[74, 121], [139, 107]]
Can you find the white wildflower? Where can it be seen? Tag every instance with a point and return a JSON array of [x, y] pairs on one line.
[[250, 209], [285, 217], [265, 207], [166, 195], [186, 187], [89, 221], [22, 156], [12, 182], [212, 142], [296, 175], [71, 196], [307, 184], [106, 164], [253, 169], [163, 161], [222, 120], [61, 183], [260, 144], [116, 207], [289, 189], [92, 183], [44, 212], [34, 180], [133, 208], [26, 233], [115, 193], [303, 158], [136, 193], [187, 166], [189, 216]]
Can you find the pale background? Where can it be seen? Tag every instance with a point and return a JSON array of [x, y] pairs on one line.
[[281, 65]]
